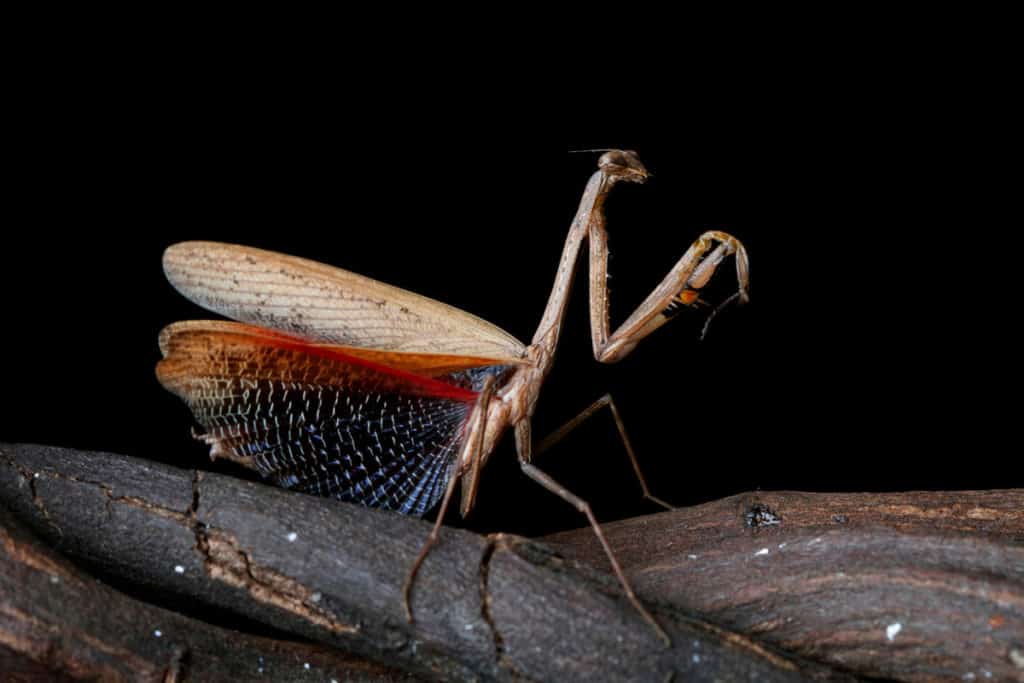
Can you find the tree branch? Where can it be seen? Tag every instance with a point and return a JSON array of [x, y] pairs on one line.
[[913, 586], [56, 623], [493, 608]]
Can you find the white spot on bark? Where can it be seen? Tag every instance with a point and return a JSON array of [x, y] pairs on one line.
[[892, 629], [178, 569], [781, 546], [158, 633], [292, 536], [692, 557], [306, 665], [762, 551], [696, 659]]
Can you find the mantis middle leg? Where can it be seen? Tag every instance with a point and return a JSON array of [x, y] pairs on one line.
[[471, 453]]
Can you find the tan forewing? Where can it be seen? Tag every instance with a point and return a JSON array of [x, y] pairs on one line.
[[326, 304]]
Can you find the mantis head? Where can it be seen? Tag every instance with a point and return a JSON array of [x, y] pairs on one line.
[[623, 165]]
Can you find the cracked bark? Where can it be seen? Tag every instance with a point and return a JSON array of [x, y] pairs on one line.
[[495, 608], [841, 572], [57, 623]]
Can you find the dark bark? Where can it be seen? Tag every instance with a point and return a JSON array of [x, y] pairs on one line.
[[491, 608], [914, 586], [57, 623]]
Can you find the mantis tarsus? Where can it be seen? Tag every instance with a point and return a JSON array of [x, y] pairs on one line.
[[335, 384]]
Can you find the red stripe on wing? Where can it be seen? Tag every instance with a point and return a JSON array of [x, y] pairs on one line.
[[274, 339]]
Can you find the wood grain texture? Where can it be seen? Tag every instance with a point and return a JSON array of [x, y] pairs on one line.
[[327, 304], [499, 608], [916, 586], [57, 623]]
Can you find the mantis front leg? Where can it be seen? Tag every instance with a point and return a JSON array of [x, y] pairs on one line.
[[680, 287]]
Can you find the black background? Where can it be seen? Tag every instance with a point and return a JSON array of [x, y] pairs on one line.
[[877, 353]]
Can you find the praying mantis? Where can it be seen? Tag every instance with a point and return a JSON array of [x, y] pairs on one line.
[[331, 383]]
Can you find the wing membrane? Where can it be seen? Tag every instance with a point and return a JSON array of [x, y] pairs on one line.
[[326, 304], [314, 418]]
